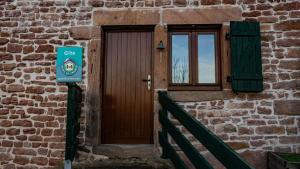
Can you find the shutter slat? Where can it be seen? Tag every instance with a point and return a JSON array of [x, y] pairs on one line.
[[246, 65]]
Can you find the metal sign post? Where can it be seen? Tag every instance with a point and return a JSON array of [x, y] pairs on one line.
[[69, 70], [68, 164]]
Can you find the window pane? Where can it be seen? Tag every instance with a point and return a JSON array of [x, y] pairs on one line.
[[180, 59], [206, 58]]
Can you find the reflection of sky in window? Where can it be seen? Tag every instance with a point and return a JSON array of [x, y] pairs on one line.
[[206, 58], [180, 59]]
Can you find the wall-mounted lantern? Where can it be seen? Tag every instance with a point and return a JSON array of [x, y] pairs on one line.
[[160, 45]]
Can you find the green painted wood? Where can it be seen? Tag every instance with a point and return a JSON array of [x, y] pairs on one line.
[[226, 155], [73, 115], [165, 135], [246, 64], [189, 150], [178, 163]]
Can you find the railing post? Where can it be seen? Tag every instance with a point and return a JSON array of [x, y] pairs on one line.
[[164, 134]]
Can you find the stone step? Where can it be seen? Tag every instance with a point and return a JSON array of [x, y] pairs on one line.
[[125, 157], [129, 163]]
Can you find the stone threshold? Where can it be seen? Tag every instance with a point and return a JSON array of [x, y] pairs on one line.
[[141, 156]]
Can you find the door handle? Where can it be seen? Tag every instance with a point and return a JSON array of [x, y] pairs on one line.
[[148, 80]]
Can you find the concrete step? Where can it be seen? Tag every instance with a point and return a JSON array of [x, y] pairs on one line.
[[125, 157], [126, 164]]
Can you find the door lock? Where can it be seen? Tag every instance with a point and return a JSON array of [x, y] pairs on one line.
[[148, 80]]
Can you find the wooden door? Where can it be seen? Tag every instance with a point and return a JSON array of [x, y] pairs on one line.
[[127, 101]]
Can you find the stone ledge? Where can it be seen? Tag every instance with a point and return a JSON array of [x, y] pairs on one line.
[[146, 16], [198, 96], [126, 17], [212, 15], [85, 32]]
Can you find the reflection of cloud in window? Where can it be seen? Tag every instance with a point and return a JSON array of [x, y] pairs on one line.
[[180, 67], [206, 58]]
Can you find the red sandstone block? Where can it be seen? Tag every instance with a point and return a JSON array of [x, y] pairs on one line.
[[96, 3], [43, 151], [39, 160], [263, 6], [255, 122], [5, 157], [245, 131], [289, 139], [35, 89], [236, 145], [8, 24], [33, 110], [45, 49], [4, 111], [251, 14], [287, 25], [290, 64], [29, 130], [8, 66], [14, 48], [57, 153], [24, 151], [57, 145], [210, 2], [47, 132], [33, 57], [263, 110], [288, 42], [3, 41], [13, 131], [35, 138], [287, 6], [6, 56], [23, 123], [10, 100], [73, 3], [7, 143], [43, 118], [271, 129], [37, 29], [22, 160], [232, 2], [21, 137], [55, 161]]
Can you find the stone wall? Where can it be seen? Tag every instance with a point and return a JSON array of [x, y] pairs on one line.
[[33, 105]]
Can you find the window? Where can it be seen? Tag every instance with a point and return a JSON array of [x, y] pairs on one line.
[[194, 62]]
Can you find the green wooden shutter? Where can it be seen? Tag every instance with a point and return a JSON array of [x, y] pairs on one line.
[[246, 65]]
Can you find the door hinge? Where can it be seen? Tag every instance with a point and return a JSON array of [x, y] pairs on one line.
[[229, 79], [227, 36]]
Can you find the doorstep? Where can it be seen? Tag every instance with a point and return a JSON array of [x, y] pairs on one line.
[[142, 156]]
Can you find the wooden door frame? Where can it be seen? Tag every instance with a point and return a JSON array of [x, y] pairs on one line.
[[128, 28]]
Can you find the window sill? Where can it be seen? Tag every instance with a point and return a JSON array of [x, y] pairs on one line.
[[195, 88], [198, 96]]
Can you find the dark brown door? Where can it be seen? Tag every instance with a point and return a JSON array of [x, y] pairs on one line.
[[127, 99]]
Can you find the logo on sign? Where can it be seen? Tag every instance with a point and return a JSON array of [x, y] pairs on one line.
[[69, 67]]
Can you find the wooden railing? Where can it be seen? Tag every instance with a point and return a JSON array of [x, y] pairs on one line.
[[226, 155], [73, 125]]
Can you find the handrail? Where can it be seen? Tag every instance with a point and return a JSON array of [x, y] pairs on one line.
[[73, 125], [226, 155]]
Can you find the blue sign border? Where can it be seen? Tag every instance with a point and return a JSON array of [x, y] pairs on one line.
[[69, 64]]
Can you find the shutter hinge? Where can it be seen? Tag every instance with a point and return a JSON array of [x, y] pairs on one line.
[[229, 79], [227, 36]]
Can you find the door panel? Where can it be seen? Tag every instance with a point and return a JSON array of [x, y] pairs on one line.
[[127, 103]]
